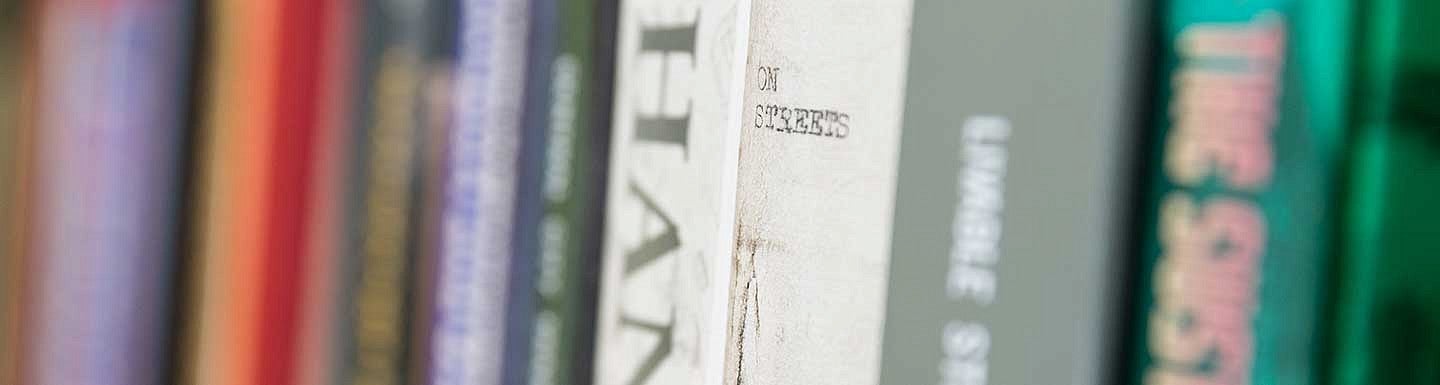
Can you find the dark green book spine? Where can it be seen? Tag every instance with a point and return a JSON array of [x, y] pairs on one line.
[[1238, 216], [1386, 310], [567, 131]]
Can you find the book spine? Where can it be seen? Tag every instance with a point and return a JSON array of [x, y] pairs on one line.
[[473, 281], [816, 181], [391, 135], [522, 319], [1237, 216], [1013, 193], [109, 120], [459, 324], [252, 255], [373, 35], [567, 123], [437, 115], [319, 350], [15, 61], [296, 128], [1386, 302], [670, 203], [220, 346], [537, 32]]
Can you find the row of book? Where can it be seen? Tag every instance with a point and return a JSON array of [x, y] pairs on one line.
[[719, 191]]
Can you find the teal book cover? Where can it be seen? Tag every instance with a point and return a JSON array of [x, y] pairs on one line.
[[1237, 214]]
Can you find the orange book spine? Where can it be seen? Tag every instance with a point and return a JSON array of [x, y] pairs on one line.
[[224, 341]]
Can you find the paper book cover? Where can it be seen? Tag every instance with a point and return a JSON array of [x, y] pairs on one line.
[[1387, 303], [109, 102], [1014, 181], [669, 216], [558, 221], [819, 138], [1237, 214]]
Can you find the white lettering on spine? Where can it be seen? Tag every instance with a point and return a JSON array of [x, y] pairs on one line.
[[976, 232], [976, 228]]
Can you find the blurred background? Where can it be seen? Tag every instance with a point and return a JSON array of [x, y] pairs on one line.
[[383, 191]]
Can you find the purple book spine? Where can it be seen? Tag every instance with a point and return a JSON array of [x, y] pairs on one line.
[[109, 136]]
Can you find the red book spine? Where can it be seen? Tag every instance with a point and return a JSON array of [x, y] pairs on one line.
[[298, 117]]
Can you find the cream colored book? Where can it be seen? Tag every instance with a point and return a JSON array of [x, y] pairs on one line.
[[818, 151], [751, 186], [671, 194]]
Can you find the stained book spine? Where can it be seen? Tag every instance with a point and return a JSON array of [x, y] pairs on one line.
[[816, 180]]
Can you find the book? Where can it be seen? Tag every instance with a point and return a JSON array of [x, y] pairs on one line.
[[14, 132], [670, 195], [257, 164], [109, 112], [1238, 215], [300, 114], [473, 268], [562, 170], [819, 139], [1385, 301], [436, 115], [1013, 193], [320, 344], [228, 207], [391, 129]]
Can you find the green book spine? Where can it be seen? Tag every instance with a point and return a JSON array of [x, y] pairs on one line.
[[1238, 219], [1386, 309], [576, 127]]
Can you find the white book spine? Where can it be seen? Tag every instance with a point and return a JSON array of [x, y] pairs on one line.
[[819, 147], [472, 284], [670, 204]]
